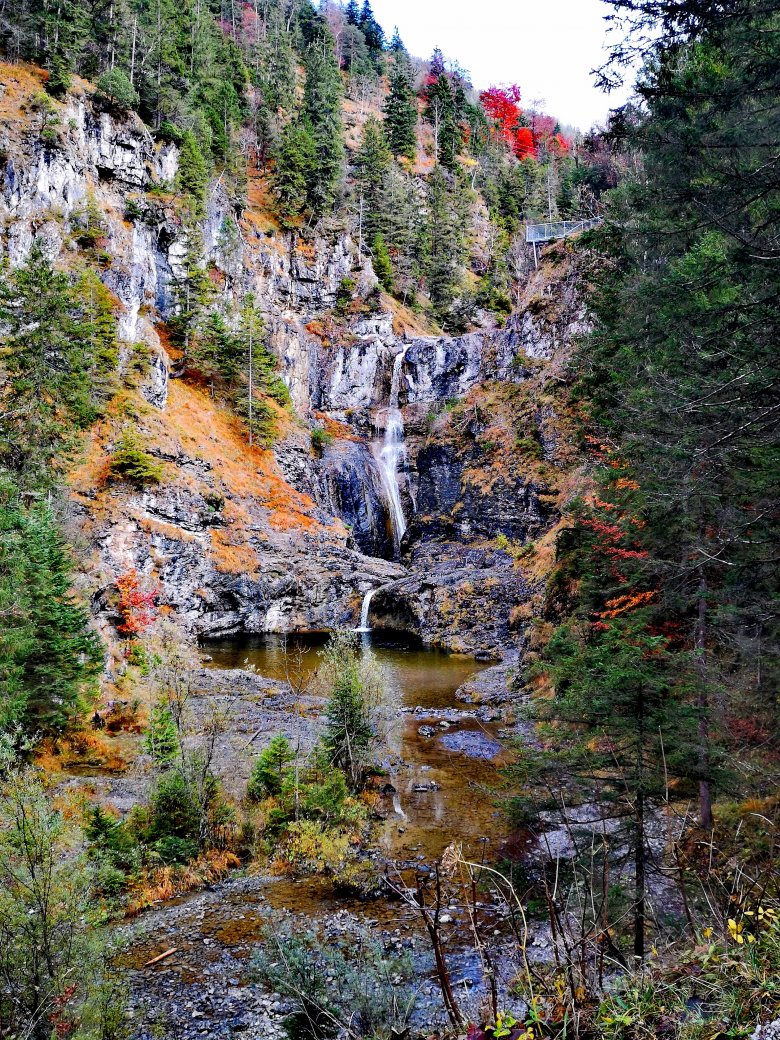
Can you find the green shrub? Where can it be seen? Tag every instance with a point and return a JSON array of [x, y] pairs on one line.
[[173, 811], [347, 984], [344, 296], [277, 389], [322, 795], [311, 848], [115, 88], [530, 446], [320, 439], [50, 934], [50, 136], [131, 462], [172, 850], [382, 265], [88, 224], [161, 739], [170, 132]]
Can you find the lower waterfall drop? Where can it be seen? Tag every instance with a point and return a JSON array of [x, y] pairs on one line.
[[364, 625], [392, 454]]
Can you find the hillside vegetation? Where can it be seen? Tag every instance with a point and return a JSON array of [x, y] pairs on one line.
[[278, 237]]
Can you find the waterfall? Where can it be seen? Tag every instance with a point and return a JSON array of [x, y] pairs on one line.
[[391, 455], [364, 625]]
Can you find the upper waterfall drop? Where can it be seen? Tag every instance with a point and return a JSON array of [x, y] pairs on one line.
[[392, 453]]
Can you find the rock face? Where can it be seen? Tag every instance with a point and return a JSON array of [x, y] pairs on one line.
[[237, 539]]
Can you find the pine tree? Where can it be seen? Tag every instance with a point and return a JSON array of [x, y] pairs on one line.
[[400, 110], [322, 112], [294, 164], [382, 265], [49, 657], [371, 164], [443, 245]]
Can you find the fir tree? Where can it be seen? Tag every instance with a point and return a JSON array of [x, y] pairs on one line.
[[353, 12], [294, 164], [49, 657], [382, 265], [322, 111], [371, 164], [400, 110]]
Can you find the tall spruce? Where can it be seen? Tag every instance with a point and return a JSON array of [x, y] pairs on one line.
[[443, 244], [371, 165], [322, 110], [400, 110], [58, 350], [49, 657]]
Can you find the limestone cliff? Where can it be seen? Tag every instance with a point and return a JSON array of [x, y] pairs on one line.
[[247, 539]]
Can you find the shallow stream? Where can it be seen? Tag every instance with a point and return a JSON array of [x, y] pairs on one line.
[[439, 791], [441, 756]]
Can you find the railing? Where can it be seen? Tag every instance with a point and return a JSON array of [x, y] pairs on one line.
[[558, 229]]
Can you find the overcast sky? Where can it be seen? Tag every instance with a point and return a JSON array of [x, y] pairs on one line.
[[548, 47]]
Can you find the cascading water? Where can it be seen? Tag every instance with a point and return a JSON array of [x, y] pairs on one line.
[[364, 625], [392, 454]]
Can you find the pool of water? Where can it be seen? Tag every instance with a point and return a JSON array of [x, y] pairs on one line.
[[412, 674], [441, 762]]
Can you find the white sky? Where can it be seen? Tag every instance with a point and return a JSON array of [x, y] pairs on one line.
[[548, 47]]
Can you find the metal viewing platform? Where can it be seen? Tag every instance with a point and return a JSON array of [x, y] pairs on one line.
[[557, 229]]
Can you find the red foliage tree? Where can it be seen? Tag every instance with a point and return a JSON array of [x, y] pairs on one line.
[[135, 605], [502, 105]]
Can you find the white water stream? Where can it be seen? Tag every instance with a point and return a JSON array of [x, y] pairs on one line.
[[364, 625], [392, 454]]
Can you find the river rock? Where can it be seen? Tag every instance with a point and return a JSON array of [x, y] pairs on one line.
[[473, 743]]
